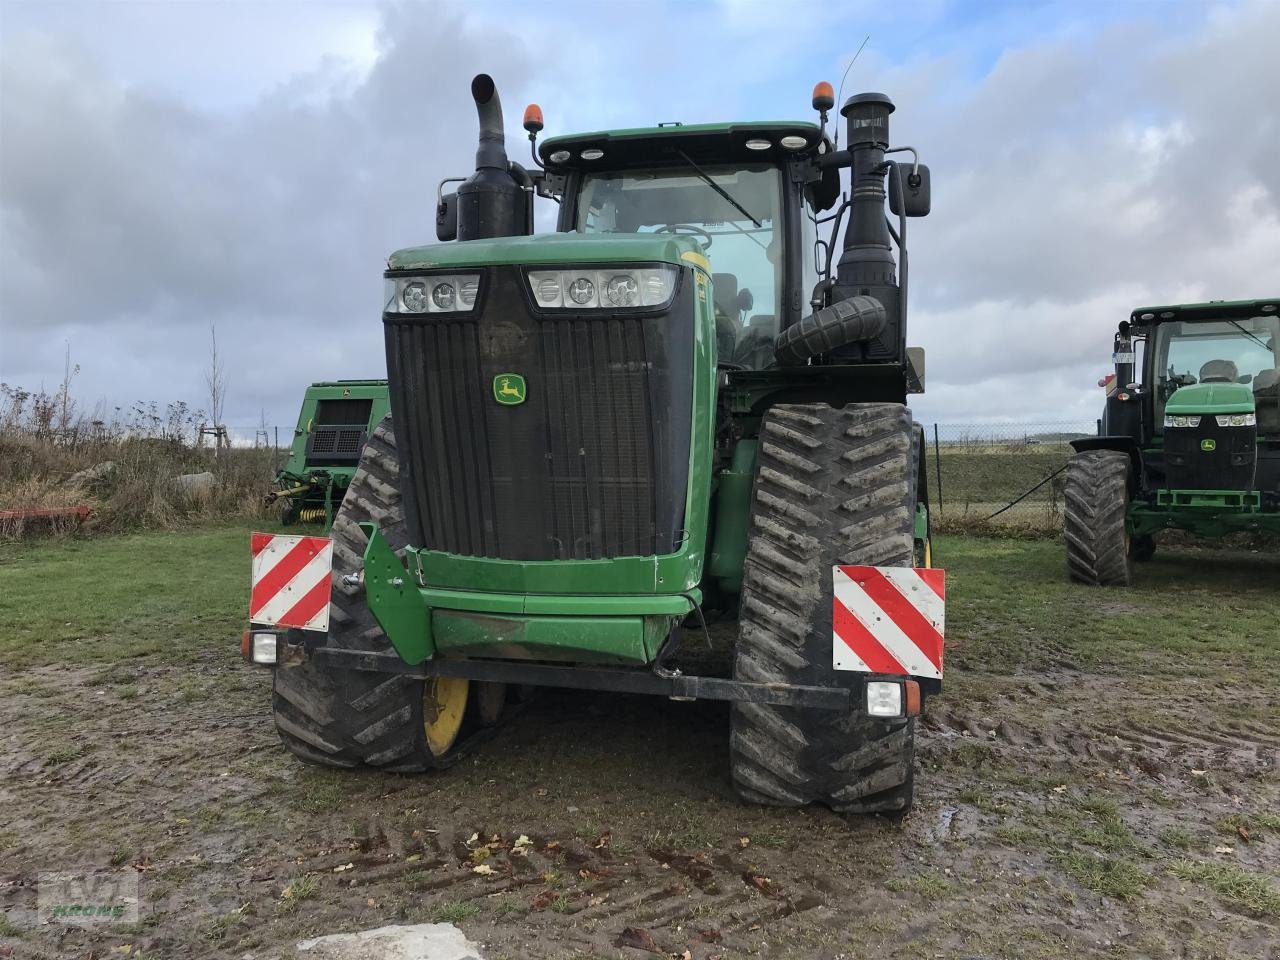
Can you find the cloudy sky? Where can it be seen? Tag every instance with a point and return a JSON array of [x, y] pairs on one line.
[[165, 166]]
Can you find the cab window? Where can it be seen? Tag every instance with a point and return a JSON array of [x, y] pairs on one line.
[[737, 225]]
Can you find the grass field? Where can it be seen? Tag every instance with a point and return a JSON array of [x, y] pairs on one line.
[[1100, 779]]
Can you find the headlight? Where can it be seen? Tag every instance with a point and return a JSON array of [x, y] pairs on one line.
[[1238, 420], [449, 294], [1172, 421], [414, 297], [443, 296], [582, 292], [618, 288], [622, 290]]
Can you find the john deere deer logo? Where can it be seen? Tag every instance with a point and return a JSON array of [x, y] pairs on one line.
[[509, 389]]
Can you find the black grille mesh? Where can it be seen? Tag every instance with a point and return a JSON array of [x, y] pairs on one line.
[[594, 463], [330, 444]]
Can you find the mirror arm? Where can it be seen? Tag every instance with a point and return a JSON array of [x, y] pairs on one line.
[[440, 188], [902, 248], [915, 163], [839, 158]]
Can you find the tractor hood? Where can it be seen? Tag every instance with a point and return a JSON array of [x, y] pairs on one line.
[[1206, 398], [551, 248]]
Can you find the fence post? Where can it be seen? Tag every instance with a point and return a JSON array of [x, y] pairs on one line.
[[937, 462]]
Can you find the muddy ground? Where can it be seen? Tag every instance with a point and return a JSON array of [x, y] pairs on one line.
[[1080, 793]]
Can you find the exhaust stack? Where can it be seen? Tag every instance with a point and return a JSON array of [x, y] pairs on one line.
[[491, 203]]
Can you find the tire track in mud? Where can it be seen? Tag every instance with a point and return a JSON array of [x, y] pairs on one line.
[[1152, 749]]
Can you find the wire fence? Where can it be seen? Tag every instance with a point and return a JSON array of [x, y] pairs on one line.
[[1014, 471], [1006, 475]]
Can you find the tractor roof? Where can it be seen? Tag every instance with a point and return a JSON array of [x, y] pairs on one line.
[[1213, 310], [703, 142]]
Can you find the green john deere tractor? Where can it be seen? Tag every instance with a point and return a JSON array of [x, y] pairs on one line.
[[336, 419], [674, 426], [1189, 440]]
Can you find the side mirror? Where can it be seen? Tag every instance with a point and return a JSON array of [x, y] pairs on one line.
[[915, 369], [447, 217], [914, 183]]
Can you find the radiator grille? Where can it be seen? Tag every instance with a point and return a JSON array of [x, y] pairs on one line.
[[328, 444], [593, 464]]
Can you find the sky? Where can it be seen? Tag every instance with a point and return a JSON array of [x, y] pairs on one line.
[[168, 167]]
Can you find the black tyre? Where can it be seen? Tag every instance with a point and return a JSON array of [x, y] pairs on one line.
[[832, 487], [1142, 548], [1097, 500], [344, 718]]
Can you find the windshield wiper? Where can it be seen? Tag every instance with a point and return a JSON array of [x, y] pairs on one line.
[[1236, 324], [717, 188]]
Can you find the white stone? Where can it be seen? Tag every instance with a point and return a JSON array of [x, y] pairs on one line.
[[423, 941]]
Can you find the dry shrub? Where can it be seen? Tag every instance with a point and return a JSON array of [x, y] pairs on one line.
[[40, 455]]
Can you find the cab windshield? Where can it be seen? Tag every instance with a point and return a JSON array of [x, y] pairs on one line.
[[736, 225], [1218, 351]]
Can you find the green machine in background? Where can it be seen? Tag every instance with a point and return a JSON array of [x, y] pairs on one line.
[[336, 420], [1190, 439]]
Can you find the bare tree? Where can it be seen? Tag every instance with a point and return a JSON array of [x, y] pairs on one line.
[[215, 379], [66, 406]]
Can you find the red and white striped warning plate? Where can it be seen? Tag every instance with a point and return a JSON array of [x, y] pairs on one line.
[[888, 620], [290, 581]]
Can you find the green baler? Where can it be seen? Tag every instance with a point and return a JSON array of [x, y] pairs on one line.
[[673, 433], [1189, 440], [336, 419]]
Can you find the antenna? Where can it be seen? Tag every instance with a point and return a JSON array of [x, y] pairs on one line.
[[840, 92]]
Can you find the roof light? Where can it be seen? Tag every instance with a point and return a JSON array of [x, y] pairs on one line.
[[1166, 315], [533, 118], [1269, 308], [756, 144], [560, 156], [824, 98], [794, 142], [591, 153], [1147, 316]]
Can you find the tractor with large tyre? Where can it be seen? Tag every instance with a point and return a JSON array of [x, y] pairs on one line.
[[1189, 439], [674, 421]]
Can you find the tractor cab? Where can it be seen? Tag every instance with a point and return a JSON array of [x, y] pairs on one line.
[[1226, 366], [748, 193]]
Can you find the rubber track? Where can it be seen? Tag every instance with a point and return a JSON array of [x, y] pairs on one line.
[[1096, 501], [832, 486], [344, 718]]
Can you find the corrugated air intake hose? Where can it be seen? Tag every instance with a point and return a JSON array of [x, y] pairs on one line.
[[844, 322]]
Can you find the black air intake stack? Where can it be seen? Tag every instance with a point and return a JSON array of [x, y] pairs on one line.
[[866, 267], [491, 202]]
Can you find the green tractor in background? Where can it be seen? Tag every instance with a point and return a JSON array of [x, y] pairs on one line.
[[333, 425], [1190, 438], [672, 427]]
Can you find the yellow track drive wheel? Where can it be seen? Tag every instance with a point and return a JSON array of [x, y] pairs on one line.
[[444, 704], [491, 697]]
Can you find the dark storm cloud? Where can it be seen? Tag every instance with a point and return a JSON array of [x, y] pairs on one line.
[[1080, 178], [1077, 173], [132, 221]]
